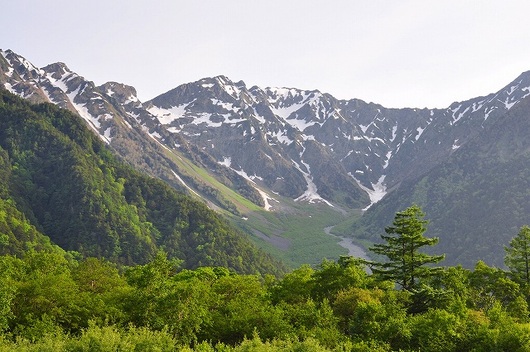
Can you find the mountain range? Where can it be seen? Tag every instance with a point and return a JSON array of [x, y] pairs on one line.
[[252, 151]]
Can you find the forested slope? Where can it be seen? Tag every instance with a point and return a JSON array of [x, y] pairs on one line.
[[59, 180]]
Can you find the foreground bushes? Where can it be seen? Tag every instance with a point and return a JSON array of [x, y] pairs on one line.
[[53, 302]]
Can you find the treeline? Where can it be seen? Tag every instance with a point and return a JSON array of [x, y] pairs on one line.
[[49, 301], [58, 180]]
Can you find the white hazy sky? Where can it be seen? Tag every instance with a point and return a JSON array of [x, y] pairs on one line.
[[407, 53]]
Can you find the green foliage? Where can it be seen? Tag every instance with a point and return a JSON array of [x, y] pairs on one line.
[[333, 277], [517, 257], [406, 265], [491, 286], [9, 267], [17, 234], [52, 302], [97, 338], [295, 287], [366, 313]]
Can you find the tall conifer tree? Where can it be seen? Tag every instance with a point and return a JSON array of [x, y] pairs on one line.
[[406, 265], [517, 257]]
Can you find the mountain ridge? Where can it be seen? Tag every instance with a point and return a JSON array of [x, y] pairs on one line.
[[60, 183], [268, 144]]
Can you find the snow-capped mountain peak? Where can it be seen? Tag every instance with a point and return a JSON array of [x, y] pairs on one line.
[[292, 141]]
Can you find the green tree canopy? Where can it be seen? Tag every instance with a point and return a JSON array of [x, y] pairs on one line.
[[517, 257], [406, 265]]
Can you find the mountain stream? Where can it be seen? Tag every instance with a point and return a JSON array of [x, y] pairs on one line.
[[353, 249]]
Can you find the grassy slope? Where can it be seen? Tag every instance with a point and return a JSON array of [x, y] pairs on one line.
[[196, 172], [294, 235]]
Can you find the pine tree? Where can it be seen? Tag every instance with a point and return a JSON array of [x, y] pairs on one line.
[[517, 257], [406, 265]]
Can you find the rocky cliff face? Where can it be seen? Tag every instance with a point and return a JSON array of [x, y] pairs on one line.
[[304, 145], [309, 145]]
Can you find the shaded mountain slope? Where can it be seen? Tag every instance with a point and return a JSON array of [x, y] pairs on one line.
[[476, 200]]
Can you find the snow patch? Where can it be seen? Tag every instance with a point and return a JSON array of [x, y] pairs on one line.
[[229, 88], [9, 87], [167, 116], [527, 94], [285, 112], [460, 115], [127, 123], [131, 99], [363, 128], [227, 161], [507, 104], [59, 83], [420, 132], [281, 137], [266, 198], [376, 193], [477, 106], [371, 139], [106, 134], [387, 160], [10, 71], [184, 183], [300, 125], [394, 133], [173, 129], [347, 155], [512, 89], [487, 112], [224, 105], [85, 114], [206, 119], [347, 136], [311, 194], [82, 110]]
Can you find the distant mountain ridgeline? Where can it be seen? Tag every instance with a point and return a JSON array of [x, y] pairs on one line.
[[245, 150], [59, 181]]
